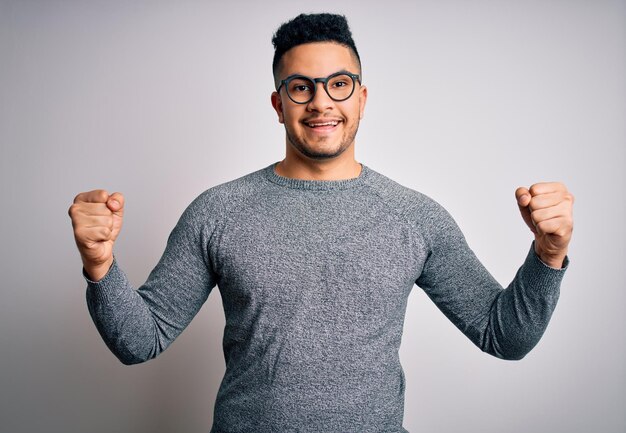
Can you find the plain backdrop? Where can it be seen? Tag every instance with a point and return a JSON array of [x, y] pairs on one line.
[[162, 100]]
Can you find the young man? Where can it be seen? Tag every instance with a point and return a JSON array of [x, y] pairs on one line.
[[315, 257]]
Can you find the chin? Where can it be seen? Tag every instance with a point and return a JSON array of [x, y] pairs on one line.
[[320, 154]]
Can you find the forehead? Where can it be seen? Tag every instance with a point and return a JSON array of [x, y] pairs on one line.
[[318, 59]]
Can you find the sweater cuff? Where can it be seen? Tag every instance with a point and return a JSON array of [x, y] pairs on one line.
[[562, 268], [113, 282], [539, 276]]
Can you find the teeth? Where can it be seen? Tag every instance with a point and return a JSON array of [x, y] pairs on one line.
[[314, 125]]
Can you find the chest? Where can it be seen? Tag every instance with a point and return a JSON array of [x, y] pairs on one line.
[[305, 259]]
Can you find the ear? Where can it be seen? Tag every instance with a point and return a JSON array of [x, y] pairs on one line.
[[362, 100], [277, 103]]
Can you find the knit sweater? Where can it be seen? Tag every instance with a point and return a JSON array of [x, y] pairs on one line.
[[314, 277]]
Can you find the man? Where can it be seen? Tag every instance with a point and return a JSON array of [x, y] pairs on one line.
[[315, 257]]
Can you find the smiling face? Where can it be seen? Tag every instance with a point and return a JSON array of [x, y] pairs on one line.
[[322, 128]]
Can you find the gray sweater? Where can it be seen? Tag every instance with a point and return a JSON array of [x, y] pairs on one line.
[[314, 278]]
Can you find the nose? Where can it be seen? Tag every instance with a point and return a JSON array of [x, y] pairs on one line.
[[321, 100]]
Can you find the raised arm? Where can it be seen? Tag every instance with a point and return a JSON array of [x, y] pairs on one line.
[[139, 324], [97, 220], [506, 323], [547, 210]]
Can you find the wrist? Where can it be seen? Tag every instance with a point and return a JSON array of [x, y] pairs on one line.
[[97, 272], [553, 260]]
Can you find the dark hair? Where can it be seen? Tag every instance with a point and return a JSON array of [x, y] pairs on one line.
[[307, 28]]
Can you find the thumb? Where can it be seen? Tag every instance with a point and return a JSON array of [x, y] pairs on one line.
[[522, 195], [115, 203]]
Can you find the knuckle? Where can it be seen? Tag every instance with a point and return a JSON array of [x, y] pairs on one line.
[[535, 204], [79, 235], [75, 212], [534, 216], [563, 230], [101, 195], [535, 189], [542, 226]]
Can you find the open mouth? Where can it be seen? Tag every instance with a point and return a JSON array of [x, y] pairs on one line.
[[326, 125]]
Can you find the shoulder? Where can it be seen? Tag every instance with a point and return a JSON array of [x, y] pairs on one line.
[[420, 210], [224, 197], [411, 204]]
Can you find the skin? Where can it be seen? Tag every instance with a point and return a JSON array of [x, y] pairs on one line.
[[97, 220], [320, 154], [547, 210], [313, 153]]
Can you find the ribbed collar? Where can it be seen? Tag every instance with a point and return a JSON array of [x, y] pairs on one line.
[[316, 185]]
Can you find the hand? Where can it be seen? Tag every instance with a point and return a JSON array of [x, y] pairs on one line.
[[547, 210], [97, 221]]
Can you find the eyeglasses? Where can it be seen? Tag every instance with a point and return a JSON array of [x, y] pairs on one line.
[[301, 89]]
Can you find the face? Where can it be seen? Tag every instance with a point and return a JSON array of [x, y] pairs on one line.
[[321, 128]]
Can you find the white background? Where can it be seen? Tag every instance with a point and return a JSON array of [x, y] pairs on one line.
[[162, 100]]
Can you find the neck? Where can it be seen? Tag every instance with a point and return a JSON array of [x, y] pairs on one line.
[[319, 170], [297, 166]]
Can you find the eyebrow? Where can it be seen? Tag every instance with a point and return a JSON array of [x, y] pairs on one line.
[[341, 71]]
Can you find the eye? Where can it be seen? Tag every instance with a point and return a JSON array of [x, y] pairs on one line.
[[300, 85], [339, 84]]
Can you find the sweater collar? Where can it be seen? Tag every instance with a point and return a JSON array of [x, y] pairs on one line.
[[316, 185]]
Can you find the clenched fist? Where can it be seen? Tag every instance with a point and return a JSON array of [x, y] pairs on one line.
[[547, 210], [97, 221]]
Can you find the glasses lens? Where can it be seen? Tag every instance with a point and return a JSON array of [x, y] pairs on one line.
[[301, 89], [340, 87]]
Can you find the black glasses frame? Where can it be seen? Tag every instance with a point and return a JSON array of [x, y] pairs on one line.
[[287, 80]]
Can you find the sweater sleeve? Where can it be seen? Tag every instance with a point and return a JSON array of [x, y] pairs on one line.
[[504, 322], [137, 325]]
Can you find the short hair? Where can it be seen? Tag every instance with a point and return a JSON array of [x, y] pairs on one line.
[[306, 28]]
